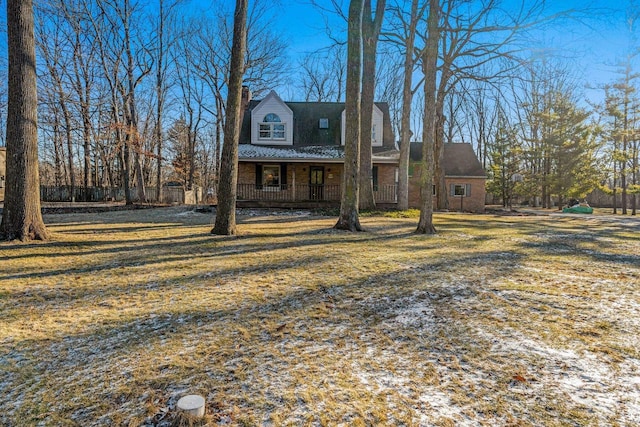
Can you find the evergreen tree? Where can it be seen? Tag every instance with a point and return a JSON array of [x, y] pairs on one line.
[[506, 164], [569, 149]]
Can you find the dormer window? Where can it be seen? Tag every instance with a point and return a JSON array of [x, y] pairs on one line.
[[272, 127]]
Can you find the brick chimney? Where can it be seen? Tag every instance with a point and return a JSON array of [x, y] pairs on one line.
[[246, 97]]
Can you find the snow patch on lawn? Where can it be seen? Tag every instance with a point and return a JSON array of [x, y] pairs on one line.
[[585, 378]]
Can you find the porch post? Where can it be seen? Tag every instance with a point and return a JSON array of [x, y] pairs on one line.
[[293, 183]]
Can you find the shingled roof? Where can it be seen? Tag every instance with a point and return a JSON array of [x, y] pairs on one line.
[[330, 154], [306, 131], [459, 159]]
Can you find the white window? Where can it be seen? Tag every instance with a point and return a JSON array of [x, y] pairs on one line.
[[461, 190], [271, 176], [271, 127]]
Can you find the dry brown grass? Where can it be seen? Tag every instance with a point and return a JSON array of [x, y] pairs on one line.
[[493, 321]]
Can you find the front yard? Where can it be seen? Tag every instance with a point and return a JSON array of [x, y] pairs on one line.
[[496, 320]]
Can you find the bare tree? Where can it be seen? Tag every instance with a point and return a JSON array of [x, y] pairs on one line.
[[349, 216], [430, 70], [371, 26], [82, 77], [322, 75], [225, 223], [409, 28], [57, 63], [161, 89], [473, 37], [21, 216], [191, 89]]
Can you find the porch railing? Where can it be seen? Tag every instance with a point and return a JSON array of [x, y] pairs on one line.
[[385, 193], [307, 193]]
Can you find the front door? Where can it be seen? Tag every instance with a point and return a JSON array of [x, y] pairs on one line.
[[316, 182]]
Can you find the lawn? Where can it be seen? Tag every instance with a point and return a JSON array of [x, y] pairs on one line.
[[496, 321]]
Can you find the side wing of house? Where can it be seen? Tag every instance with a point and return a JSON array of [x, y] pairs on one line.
[[464, 177]]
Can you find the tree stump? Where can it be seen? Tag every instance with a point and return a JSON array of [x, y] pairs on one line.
[[192, 405]]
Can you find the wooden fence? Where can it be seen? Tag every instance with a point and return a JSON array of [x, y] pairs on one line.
[[170, 194]]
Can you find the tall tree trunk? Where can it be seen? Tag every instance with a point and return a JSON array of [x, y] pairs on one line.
[[67, 123], [125, 165], [349, 216], [615, 193], [57, 149], [226, 211], [133, 136], [160, 99], [86, 143], [218, 152], [370, 32], [429, 66], [634, 175], [21, 216], [442, 195], [407, 97]]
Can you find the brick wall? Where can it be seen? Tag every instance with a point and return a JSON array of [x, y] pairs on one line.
[[332, 173], [472, 203]]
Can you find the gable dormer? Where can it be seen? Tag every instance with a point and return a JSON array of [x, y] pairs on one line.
[[272, 122], [377, 126]]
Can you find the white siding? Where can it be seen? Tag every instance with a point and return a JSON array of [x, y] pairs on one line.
[[377, 123], [272, 104]]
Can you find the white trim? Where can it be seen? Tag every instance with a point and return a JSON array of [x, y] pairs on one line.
[[377, 127], [272, 131], [274, 105], [273, 166]]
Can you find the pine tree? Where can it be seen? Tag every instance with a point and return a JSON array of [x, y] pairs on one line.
[[506, 164]]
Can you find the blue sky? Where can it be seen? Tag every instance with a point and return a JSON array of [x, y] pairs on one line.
[[594, 41]]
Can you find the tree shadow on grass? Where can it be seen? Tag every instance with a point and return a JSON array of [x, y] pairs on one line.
[[158, 250], [578, 240], [364, 306]]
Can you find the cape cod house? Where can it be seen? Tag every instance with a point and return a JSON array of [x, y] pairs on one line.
[[291, 154]]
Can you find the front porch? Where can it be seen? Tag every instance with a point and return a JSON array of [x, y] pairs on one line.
[[306, 195], [305, 184]]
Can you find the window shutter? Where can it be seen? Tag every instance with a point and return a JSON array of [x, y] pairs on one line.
[[374, 177], [452, 189], [258, 176], [283, 175], [467, 190]]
